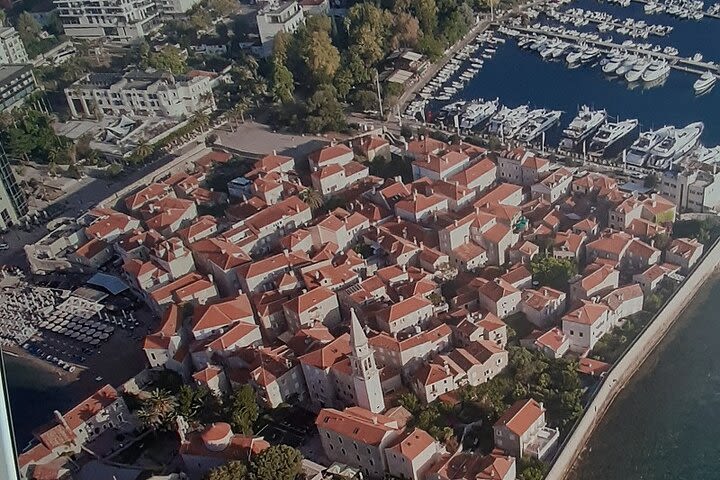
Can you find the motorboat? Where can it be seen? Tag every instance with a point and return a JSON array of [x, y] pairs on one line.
[[610, 134], [678, 142], [582, 127], [637, 70], [705, 83], [477, 112], [612, 65], [507, 119], [538, 124], [627, 65], [657, 70], [640, 150]]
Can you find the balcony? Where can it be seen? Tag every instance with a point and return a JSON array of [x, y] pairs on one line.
[[543, 443]]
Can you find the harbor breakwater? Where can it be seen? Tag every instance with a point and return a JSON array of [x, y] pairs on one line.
[[630, 362]]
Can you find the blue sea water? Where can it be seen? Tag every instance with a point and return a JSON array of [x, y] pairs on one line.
[[665, 424], [34, 394], [517, 76]]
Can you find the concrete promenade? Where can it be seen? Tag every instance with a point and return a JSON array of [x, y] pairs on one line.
[[624, 369]]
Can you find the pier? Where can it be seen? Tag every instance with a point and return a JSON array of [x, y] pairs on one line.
[[677, 62]]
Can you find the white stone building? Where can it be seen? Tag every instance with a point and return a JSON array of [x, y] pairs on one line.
[[277, 17], [12, 50], [140, 94], [120, 21]]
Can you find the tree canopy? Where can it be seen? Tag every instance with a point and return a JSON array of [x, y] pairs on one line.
[[243, 410], [553, 272], [279, 462]]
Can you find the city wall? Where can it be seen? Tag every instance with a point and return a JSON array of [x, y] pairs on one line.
[[624, 369]]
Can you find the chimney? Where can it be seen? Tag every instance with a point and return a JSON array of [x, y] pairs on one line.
[[274, 152]]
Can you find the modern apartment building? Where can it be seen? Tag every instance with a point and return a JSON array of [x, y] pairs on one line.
[[16, 82], [692, 190], [13, 203], [141, 94], [12, 50], [277, 17], [120, 21]]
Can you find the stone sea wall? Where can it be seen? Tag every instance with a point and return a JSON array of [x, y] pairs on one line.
[[624, 369]]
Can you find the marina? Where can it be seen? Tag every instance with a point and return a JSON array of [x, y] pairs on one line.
[[641, 66]]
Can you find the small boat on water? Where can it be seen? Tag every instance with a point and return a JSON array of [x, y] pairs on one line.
[[705, 83]]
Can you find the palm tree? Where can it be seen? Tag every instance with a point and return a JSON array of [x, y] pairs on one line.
[[200, 120], [312, 197], [158, 410], [143, 150], [238, 113]]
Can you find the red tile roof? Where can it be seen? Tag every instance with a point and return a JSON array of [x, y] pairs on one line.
[[521, 416]]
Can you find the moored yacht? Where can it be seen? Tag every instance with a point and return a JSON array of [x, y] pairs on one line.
[[678, 142], [610, 134], [582, 126], [705, 83], [640, 150], [657, 70], [627, 65], [507, 118], [637, 70], [538, 124], [477, 112]]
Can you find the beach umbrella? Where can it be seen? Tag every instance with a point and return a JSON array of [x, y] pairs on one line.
[[104, 336], [94, 341]]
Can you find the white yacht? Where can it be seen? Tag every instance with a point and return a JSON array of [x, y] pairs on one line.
[[678, 142], [657, 70], [705, 83], [538, 124], [637, 70], [627, 65], [612, 65], [609, 134], [582, 127], [640, 150], [477, 112], [508, 119], [707, 155]]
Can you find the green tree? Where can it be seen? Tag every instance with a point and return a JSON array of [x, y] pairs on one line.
[[282, 85], [368, 32], [406, 31], [243, 410], [28, 28], [143, 150], [324, 112], [114, 170], [553, 272], [158, 410], [312, 198], [230, 471], [279, 462], [426, 12], [169, 59], [364, 99], [410, 402], [321, 57]]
